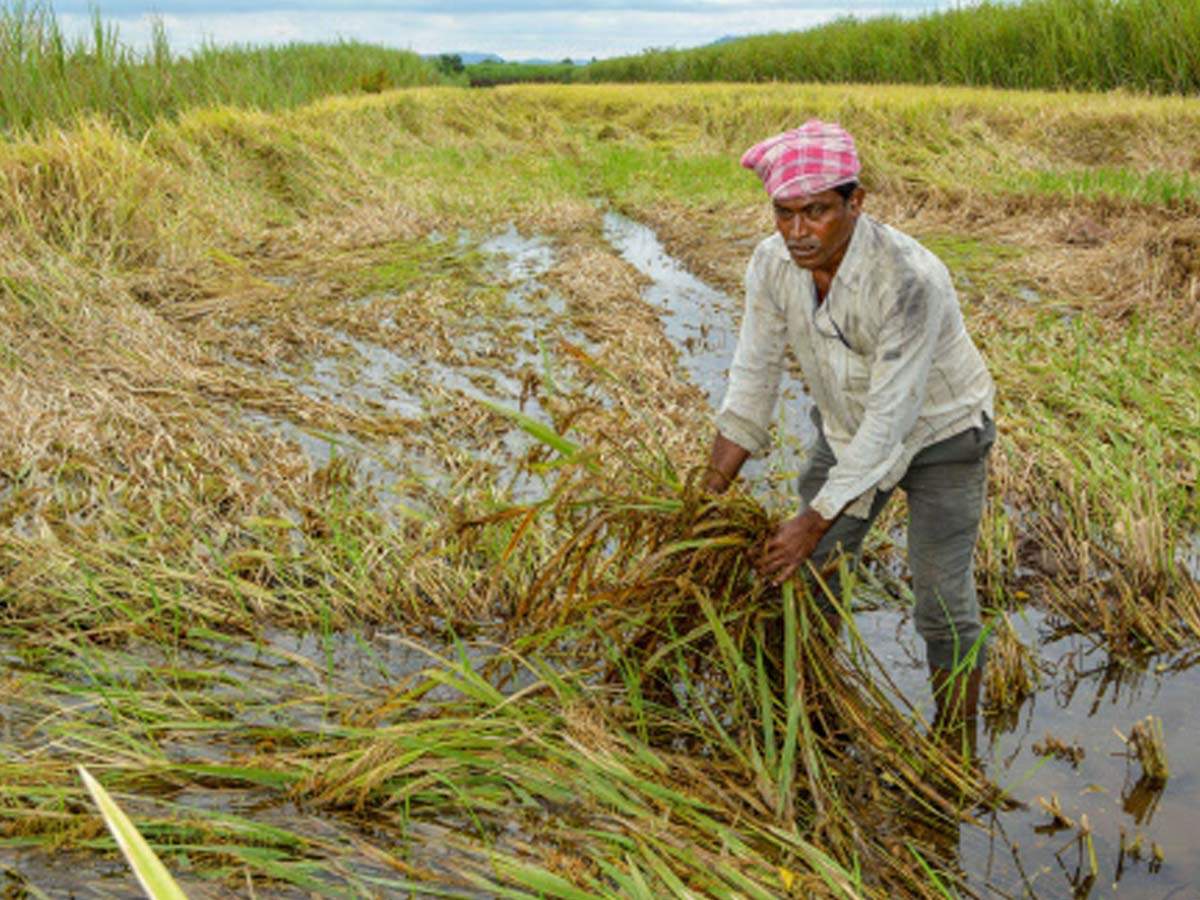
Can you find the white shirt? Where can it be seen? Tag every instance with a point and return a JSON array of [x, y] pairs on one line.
[[886, 358]]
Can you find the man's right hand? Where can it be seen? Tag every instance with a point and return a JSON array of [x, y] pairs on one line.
[[793, 543]]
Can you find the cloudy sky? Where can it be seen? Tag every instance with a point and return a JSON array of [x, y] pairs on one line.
[[514, 29]]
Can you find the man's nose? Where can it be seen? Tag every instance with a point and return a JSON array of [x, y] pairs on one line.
[[796, 228]]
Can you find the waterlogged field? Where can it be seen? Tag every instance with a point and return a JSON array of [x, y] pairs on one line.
[[349, 533]]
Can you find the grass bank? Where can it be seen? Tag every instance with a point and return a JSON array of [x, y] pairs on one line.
[[245, 359], [49, 78], [1081, 45]]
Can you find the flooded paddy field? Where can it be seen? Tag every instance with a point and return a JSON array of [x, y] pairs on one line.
[[294, 687], [367, 560], [1140, 833], [301, 688]]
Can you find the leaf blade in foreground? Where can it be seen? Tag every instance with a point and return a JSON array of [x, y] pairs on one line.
[[151, 874]]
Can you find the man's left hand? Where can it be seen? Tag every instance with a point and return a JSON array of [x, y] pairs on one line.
[[792, 544]]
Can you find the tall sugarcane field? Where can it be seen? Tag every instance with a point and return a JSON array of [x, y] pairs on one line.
[[353, 536]]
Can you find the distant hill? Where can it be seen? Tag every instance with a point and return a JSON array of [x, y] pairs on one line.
[[468, 57]]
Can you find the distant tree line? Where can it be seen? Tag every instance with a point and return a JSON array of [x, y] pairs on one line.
[[449, 64], [1147, 45], [489, 74]]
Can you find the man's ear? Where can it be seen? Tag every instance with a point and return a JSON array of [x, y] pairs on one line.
[[856, 199]]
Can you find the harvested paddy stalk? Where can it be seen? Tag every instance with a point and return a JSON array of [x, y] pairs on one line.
[[1052, 746], [653, 582], [1147, 745], [554, 786], [1011, 674]]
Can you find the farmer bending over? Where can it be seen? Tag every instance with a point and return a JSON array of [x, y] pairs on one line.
[[901, 395]]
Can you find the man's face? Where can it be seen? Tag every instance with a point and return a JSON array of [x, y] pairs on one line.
[[817, 227]]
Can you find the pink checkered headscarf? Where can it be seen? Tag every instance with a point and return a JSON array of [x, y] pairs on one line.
[[815, 157]]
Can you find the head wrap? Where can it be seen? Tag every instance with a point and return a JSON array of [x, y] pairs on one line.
[[815, 157]]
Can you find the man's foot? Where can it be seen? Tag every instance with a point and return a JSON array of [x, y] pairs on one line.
[[956, 725]]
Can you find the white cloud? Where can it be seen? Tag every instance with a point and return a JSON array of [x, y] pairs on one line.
[[514, 30]]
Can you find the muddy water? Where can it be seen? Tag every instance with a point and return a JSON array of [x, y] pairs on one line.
[[371, 378], [1081, 703]]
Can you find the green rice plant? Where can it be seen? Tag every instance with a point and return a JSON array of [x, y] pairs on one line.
[[48, 78], [1050, 44], [567, 449], [1131, 458], [1158, 188]]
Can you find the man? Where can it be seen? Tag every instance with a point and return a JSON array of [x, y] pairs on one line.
[[901, 395]]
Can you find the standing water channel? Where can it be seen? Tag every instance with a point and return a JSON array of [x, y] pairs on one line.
[[702, 323], [1083, 701]]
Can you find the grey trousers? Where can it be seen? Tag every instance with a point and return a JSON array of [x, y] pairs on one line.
[[945, 485]]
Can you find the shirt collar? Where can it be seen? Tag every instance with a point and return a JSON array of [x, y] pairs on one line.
[[857, 252]]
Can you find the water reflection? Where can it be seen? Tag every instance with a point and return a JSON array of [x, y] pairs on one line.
[[1024, 851], [1141, 799]]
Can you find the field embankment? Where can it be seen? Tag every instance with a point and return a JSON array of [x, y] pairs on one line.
[[245, 440], [1081, 45], [49, 78]]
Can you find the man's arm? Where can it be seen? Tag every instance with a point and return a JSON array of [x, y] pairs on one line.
[[744, 418], [724, 463]]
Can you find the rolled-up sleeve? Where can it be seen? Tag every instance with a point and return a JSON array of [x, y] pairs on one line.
[[899, 369], [754, 374]]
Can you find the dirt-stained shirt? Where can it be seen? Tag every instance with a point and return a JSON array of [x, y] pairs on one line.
[[886, 358]]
